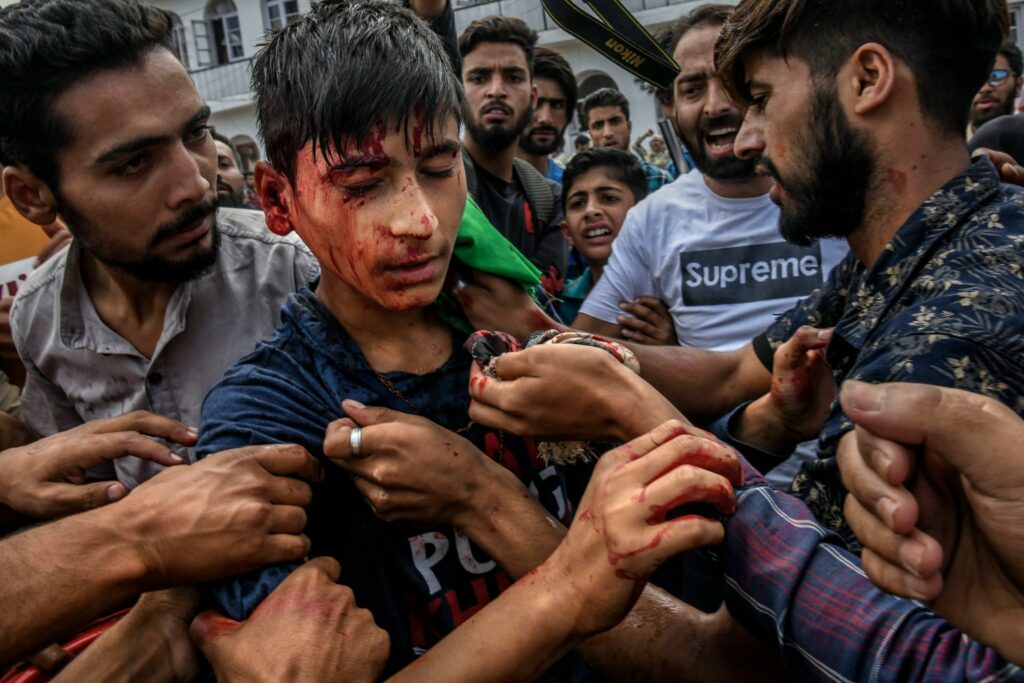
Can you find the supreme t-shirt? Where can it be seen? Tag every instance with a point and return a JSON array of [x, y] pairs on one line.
[[719, 264]]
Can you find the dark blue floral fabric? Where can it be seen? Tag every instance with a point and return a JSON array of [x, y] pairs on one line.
[[943, 305]]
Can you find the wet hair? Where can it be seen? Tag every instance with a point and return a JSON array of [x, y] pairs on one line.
[[617, 164], [500, 30], [949, 45], [1014, 57], [234, 150], [333, 74], [46, 47], [605, 97]]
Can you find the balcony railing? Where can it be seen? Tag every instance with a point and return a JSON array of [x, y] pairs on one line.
[[224, 82], [532, 12]]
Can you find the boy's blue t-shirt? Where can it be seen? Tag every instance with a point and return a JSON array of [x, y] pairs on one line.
[[419, 581], [574, 293]]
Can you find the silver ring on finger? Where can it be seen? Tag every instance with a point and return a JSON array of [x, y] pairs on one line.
[[355, 440]]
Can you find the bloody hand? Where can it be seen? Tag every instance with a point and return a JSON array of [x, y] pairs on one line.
[[566, 392], [620, 534], [308, 629]]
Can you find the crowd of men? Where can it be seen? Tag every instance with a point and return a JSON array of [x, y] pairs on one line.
[[449, 406]]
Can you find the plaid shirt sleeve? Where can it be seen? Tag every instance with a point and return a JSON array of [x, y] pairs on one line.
[[791, 581]]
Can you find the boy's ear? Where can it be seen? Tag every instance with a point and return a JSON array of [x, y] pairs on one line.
[[276, 197], [29, 194], [564, 225]]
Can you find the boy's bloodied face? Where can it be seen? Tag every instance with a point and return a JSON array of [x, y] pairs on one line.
[[381, 215]]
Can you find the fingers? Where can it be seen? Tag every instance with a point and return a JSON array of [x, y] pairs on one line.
[[366, 416], [59, 236], [889, 502], [954, 424], [280, 548], [147, 423], [326, 566], [286, 519], [67, 499], [91, 451], [689, 446], [916, 554], [896, 580], [793, 352], [282, 459], [208, 627], [289, 491], [685, 485], [1011, 172]]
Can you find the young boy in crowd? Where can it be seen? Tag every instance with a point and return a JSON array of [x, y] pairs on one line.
[[431, 516], [599, 187]]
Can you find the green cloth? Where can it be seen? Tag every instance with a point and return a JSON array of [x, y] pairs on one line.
[[480, 246]]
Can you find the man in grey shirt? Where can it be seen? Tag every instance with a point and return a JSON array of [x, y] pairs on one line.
[[159, 293]]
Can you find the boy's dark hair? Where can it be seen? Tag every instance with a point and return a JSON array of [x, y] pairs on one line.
[[47, 46], [582, 139], [330, 76], [1014, 57], [234, 150], [949, 45], [549, 64], [499, 30], [619, 165], [605, 97]]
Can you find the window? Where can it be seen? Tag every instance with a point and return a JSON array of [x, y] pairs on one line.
[[279, 12], [178, 39], [201, 32], [223, 40]]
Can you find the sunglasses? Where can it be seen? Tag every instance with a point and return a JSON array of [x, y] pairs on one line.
[[999, 76]]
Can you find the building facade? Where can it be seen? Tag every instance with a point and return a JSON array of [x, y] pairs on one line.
[[216, 40]]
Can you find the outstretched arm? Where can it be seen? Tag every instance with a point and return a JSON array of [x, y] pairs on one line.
[[230, 513], [618, 538]]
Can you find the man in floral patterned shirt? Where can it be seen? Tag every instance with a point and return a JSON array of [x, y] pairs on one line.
[[856, 110]]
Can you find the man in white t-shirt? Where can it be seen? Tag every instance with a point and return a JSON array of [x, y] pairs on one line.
[[708, 244]]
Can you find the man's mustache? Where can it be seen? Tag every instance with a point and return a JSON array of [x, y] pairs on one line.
[[185, 220]]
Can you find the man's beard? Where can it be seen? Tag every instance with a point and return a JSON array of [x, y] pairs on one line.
[[980, 118], [497, 137], [234, 198], [148, 267], [527, 144], [730, 168], [830, 199]]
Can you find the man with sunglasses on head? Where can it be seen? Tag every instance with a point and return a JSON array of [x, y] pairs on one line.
[[997, 97]]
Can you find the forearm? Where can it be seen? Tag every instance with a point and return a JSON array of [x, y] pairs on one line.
[[134, 649], [761, 426], [541, 610], [665, 639], [510, 525], [661, 638], [703, 385], [59, 577], [779, 564]]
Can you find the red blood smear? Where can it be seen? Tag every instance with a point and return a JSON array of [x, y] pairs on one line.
[[898, 180]]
